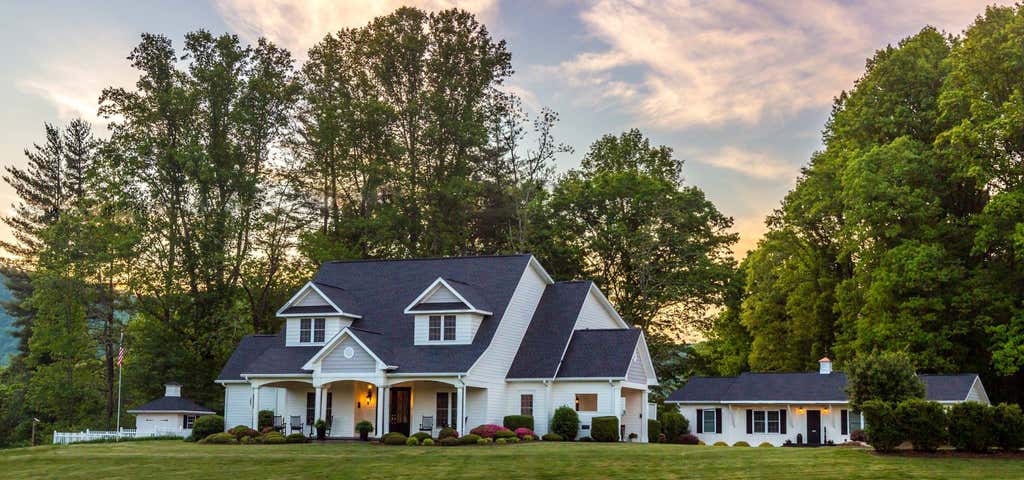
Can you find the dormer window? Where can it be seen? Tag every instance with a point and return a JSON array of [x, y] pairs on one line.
[[312, 330], [436, 328]]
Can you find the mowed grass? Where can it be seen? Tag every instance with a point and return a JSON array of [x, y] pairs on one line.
[[175, 459]]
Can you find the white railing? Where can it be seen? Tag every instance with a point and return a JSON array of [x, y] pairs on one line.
[[64, 438]]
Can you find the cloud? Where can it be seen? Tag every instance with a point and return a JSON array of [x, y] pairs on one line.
[[753, 164], [298, 24], [734, 61]]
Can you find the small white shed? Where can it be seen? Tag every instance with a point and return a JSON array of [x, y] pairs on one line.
[[170, 415]]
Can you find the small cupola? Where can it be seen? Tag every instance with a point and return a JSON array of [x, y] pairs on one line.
[[172, 389], [825, 366]]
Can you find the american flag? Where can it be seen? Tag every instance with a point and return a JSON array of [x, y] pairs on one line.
[[120, 356]]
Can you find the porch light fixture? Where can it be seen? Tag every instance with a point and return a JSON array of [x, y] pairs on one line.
[[799, 411], [825, 411], [369, 394]]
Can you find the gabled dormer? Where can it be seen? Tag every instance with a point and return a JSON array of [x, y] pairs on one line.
[[313, 317], [447, 312]]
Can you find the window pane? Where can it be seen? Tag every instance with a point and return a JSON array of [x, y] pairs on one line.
[[758, 422], [586, 402], [526, 404], [709, 421], [304, 330], [449, 327], [318, 330], [773, 421], [856, 421], [310, 407], [442, 409], [434, 330]]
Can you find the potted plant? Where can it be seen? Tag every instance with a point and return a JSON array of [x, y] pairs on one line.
[[321, 429], [633, 436], [364, 428]]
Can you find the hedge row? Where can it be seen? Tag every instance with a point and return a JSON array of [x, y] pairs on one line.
[[968, 426]]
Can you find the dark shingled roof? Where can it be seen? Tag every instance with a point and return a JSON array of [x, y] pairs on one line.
[[439, 306], [379, 291], [599, 353], [549, 331], [311, 309], [171, 404], [802, 387]]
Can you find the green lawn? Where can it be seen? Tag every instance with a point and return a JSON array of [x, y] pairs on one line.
[[173, 459]]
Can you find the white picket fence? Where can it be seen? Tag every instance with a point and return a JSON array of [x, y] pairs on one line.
[[64, 438]]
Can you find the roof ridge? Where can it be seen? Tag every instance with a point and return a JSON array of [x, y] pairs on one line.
[[461, 257], [630, 329]]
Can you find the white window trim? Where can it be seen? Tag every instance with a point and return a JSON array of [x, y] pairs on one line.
[[597, 402], [532, 403], [451, 408], [454, 330], [849, 421], [766, 421], [714, 421]]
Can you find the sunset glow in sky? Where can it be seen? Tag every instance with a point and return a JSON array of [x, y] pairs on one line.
[[740, 89]]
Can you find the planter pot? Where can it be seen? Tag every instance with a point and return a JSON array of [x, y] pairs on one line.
[[321, 434], [364, 435]]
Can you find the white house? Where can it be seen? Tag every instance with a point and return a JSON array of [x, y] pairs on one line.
[[419, 344], [808, 408], [170, 415]]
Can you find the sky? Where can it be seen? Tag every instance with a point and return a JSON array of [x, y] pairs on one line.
[[739, 89]]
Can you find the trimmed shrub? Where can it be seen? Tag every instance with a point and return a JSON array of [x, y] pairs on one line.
[[1009, 426], [523, 432], [741, 443], [447, 432], [296, 438], [266, 430], [207, 425], [483, 441], [858, 436], [923, 423], [674, 424], [882, 425], [487, 431], [653, 430], [720, 444], [701, 442], [448, 441], [765, 445], [688, 439], [393, 438], [552, 437], [528, 438], [240, 431], [501, 441], [662, 438], [266, 419], [222, 438], [470, 439], [274, 438], [586, 439], [420, 436], [246, 440], [412, 442], [504, 434], [565, 422], [428, 442], [513, 422], [605, 429], [971, 427]]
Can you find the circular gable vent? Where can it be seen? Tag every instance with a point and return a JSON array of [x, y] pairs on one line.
[[349, 352]]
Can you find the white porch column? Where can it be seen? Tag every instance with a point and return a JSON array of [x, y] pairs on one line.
[[317, 400], [385, 402], [379, 418], [461, 407], [255, 406], [644, 433], [285, 418]]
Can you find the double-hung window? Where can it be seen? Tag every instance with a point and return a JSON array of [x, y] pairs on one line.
[[766, 421], [434, 328], [708, 420], [188, 422], [305, 330], [449, 327], [855, 420], [526, 404], [447, 409], [586, 402], [319, 327]]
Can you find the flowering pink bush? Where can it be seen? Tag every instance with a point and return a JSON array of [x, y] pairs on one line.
[[487, 431], [521, 431]]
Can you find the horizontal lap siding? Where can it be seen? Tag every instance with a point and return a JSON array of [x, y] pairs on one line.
[[335, 361], [564, 394], [440, 295], [636, 373], [541, 415], [594, 315], [237, 404], [310, 299], [734, 424]]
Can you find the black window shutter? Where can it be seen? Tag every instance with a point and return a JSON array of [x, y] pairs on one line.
[[750, 421], [184, 422], [700, 420], [843, 420], [718, 420], [782, 421]]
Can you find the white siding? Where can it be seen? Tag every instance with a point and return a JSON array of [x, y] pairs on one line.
[[310, 298], [335, 361], [424, 404], [332, 325], [977, 392], [492, 366], [541, 415], [594, 315], [148, 423], [636, 373], [441, 294], [237, 404], [268, 398], [734, 424], [466, 325], [564, 394], [476, 407]]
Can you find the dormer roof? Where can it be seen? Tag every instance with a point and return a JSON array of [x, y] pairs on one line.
[[317, 298], [449, 296]]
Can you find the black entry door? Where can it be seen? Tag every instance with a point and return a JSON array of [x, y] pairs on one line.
[[399, 414], [814, 427]]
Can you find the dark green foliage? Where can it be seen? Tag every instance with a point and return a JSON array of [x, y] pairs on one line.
[[274, 438], [296, 438], [565, 422], [674, 424], [653, 430], [266, 419], [447, 432], [222, 438], [552, 437], [393, 438], [420, 436], [883, 426], [923, 423], [448, 441], [513, 422], [860, 435], [605, 429], [1009, 426], [240, 431], [971, 427], [365, 426], [207, 425], [504, 434], [741, 443], [887, 376], [470, 439]]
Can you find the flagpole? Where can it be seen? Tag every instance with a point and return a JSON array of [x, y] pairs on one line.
[[120, 372]]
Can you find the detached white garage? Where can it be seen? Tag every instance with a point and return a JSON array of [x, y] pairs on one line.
[[170, 415]]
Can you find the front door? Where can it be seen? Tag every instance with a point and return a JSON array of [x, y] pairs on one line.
[[399, 414], [814, 427]]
